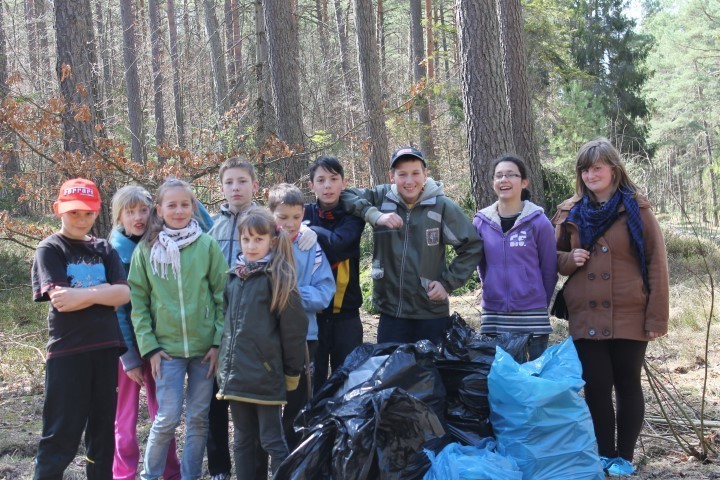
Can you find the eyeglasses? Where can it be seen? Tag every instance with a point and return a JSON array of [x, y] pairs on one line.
[[509, 176]]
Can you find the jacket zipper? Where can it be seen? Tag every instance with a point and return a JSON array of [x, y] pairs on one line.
[[233, 337], [402, 263], [182, 312], [232, 239]]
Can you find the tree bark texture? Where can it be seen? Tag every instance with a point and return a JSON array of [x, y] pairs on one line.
[[430, 53], [106, 87], [283, 50], [446, 56], [154, 15], [177, 85], [8, 154], [522, 120], [265, 123], [422, 100], [234, 50], [484, 96], [376, 131], [217, 60], [76, 62], [347, 76], [132, 82]]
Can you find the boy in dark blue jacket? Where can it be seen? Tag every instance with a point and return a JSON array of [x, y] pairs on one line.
[[339, 326]]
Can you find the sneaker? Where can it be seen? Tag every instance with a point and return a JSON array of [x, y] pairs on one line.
[[620, 468], [221, 476], [606, 462]]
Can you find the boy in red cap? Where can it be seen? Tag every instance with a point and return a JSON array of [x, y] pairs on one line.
[[83, 279]]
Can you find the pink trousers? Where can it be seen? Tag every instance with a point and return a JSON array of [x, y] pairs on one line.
[[127, 450]]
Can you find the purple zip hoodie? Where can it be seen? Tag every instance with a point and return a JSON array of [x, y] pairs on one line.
[[519, 268]]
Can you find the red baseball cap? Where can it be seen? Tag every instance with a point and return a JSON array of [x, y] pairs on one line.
[[77, 194]]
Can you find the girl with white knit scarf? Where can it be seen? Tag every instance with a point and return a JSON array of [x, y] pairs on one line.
[[177, 277]]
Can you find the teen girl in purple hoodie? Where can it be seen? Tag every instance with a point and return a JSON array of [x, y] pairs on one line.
[[519, 267]]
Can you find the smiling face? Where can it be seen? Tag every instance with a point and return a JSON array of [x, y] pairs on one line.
[[238, 188], [76, 224], [289, 218], [598, 178], [508, 182], [254, 245], [409, 176], [176, 208], [327, 187], [134, 219]]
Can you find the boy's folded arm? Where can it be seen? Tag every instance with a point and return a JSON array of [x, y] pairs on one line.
[[103, 294]]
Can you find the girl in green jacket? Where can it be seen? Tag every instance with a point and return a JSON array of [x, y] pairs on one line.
[[263, 344], [177, 277]]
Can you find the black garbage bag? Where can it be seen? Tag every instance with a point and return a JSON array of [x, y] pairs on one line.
[[382, 445], [462, 342], [419, 463], [311, 460], [408, 366]]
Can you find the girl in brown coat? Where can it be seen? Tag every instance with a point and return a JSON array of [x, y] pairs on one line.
[[610, 242]]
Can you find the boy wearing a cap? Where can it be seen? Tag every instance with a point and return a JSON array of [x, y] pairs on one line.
[[84, 281], [414, 221]]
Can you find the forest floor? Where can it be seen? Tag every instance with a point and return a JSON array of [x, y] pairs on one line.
[[679, 357]]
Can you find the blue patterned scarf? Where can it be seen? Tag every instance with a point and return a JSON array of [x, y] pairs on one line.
[[593, 221]]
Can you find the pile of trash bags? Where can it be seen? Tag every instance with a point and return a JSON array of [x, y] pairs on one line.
[[414, 411]]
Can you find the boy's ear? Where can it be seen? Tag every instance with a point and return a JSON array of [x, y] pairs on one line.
[[310, 184], [345, 182], [256, 186], [55, 209], [391, 176]]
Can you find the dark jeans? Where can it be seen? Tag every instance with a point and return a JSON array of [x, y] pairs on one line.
[[255, 422], [617, 364], [338, 335], [80, 395], [218, 442], [536, 346], [297, 399], [411, 330]]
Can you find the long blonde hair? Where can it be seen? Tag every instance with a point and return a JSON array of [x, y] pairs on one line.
[[601, 150], [155, 224], [260, 221]]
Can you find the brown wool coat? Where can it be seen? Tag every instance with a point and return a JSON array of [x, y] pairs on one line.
[[606, 298]]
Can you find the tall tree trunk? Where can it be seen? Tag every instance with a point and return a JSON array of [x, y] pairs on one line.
[[367, 50], [446, 56], [217, 60], [8, 154], [154, 15], [348, 82], [711, 171], [381, 38], [32, 40], [484, 96], [132, 82], [76, 62], [284, 55], [522, 122], [43, 45], [430, 53], [177, 86], [422, 101], [104, 96], [234, 49], [263, 105]]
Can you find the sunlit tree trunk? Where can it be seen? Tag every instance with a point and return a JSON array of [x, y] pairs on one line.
[[422, 102], [132, 82], [157, 71], [8, 153], [283, 53], [177, 86], [376, 132], [217, 60], [484, 96], [522, 121]]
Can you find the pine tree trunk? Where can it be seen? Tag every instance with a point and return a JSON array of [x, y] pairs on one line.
[[104, 99], [157, 72], [422, 101], [430, 52], [265, 124], [175, 58], [76, 62], [43, 46], [217, 60], [9, 154], [283, 53], [367, 50], [518, 93], [484, 96], [132, 82], [348, 82], [32, 41], [446, 55], [234, 52]]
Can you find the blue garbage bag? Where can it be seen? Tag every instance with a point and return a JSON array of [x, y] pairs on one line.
[[482, 462], [540, 419]]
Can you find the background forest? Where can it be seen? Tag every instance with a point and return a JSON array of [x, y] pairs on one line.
[[125, 91]]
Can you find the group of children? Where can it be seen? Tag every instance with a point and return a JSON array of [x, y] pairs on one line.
[[257, 340]]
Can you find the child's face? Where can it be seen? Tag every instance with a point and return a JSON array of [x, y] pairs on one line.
[[134, 218], [76, 224], [409, 176], [176, 208], [255, 246], [508, 182], [327, 187], [289, 218], [238, 188]]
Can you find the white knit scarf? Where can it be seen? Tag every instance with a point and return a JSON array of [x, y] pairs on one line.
[[166, 250]]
